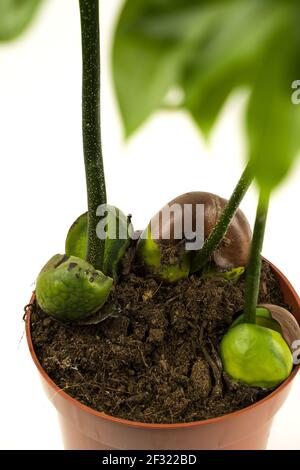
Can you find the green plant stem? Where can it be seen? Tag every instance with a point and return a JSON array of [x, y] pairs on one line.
[[95, 179], [254, 265], [216, 236]]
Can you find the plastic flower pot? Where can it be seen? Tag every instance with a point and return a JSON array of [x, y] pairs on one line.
[[83, 428]]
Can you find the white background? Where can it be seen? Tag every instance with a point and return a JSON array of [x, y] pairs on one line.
[[43, 190]]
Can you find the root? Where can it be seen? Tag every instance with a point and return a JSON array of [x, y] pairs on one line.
[[26, 308], [214, 363]]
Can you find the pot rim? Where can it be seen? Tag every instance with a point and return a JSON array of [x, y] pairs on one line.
[[137, 424]]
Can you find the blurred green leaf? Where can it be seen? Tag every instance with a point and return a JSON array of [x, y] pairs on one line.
[[142, 77], [15, 17], [227, 63], [152, 42], [273, 121], [208, 49]]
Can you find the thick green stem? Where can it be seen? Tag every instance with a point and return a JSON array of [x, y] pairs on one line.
[[214, 239], [95, 180], [254, 265]]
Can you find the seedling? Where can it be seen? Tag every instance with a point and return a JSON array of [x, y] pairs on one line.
[[179, 46]]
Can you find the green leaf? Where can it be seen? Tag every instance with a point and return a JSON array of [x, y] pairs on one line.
[[205, 111], [152, 42], [15, 17], [208, 49], [226, 62], [142, 77], [273, 120]]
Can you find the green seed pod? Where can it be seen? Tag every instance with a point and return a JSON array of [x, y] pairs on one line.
[[164, 253], [76, 241], [177, 267], [69, 288], [255, 355], [119, 232]]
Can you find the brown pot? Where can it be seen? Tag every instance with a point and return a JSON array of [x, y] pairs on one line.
[[249, 428]]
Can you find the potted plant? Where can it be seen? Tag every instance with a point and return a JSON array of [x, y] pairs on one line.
[[148, 340]]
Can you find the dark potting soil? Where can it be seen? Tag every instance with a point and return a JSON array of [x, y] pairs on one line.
[[156, 360]]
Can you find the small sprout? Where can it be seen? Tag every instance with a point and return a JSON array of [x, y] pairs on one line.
[[163, 252], [69, 294], [119, 232], [260, 354]]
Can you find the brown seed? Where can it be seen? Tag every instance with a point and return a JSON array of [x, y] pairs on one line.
[[288, 323], [234, 249]]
